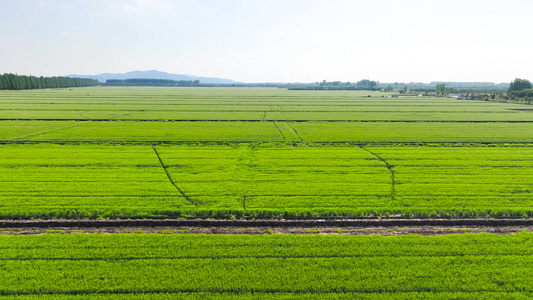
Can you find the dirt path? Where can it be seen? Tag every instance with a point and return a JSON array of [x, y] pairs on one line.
[[321, 226]]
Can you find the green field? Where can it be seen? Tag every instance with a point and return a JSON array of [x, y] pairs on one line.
[[245, 104], [123, 153], [159, 266], [260, 152], [239, 131], [45, 180]]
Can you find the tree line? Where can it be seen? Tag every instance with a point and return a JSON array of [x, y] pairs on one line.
[[364, 84], [520, 91], [23, 82], [151, 82]]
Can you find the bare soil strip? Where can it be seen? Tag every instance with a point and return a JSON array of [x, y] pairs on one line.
[[260, 120], [268, 223], [236, 142], [384, 231]]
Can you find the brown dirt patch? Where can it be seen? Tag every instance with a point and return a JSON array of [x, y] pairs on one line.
[[386, 231]]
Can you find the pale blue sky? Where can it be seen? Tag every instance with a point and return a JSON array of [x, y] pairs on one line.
[[272, 40]]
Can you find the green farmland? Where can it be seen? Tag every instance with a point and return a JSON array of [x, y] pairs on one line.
[[257, 152], [263, 180], [241, 153], [174, 266]]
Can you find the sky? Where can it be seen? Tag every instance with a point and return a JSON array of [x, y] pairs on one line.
[[272, 40]]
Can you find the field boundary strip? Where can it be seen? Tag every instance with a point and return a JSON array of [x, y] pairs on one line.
[[287, 223], [233, 291], [194, 202], [221, 257], [257, 120], [236, 142]]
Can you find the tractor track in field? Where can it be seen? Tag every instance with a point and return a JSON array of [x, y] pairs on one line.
[[295, 132], [280, 132], [34, 134], [389, 167], [266, 223], [171, 180]]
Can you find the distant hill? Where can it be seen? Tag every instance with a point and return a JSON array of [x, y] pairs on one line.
[[153, 74]]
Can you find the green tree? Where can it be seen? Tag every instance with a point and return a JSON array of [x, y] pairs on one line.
[[519, 85], [367, 84], [17, 82], [440, 89], [3, 82]]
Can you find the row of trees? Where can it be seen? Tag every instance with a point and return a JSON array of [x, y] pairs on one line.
[[520, 90], [23, 82], [364, 84], [151, 82], [519, 85], [441, 90]]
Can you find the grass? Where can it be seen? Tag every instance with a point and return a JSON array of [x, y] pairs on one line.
[[238, 131], [422, 132], [159, 266], [89, 153], [229, 153], [263, 180], [258, 104]]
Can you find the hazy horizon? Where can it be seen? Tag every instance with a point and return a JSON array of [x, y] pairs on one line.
[[271, 41], [354, 81]]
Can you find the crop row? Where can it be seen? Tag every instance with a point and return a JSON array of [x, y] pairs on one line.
[[266, 115], [245, 104], [471, 266], [263, 180], [285, 295], [176, 105], [362, 132], [226, 96]]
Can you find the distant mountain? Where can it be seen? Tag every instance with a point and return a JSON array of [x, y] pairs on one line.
[[153, 74]]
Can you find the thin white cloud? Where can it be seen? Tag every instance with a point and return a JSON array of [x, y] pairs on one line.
[[68, 6], [145, 5], [65, 6], [15, 39], [71, 35]]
